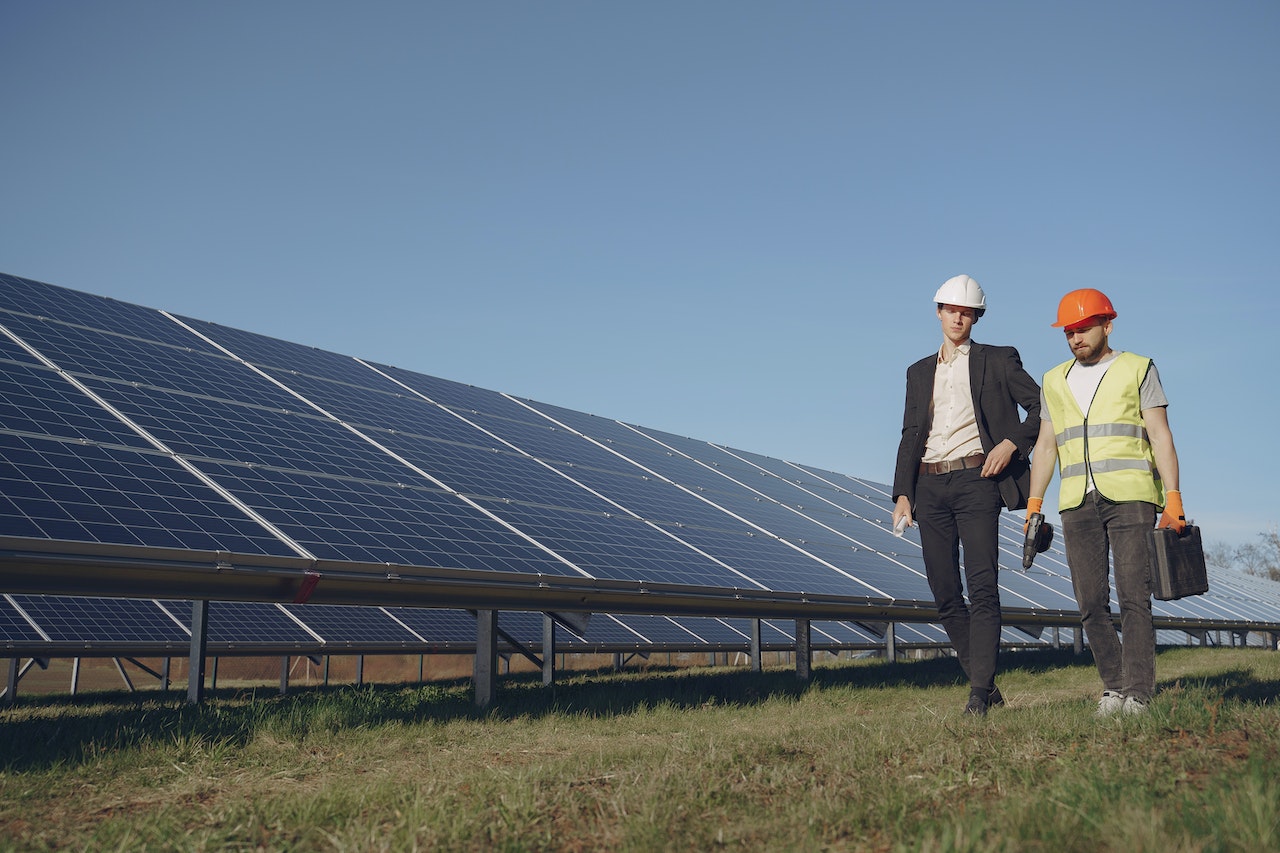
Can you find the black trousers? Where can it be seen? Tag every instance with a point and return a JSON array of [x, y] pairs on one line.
[[955, 509]]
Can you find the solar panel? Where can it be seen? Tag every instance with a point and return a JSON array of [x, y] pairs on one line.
[[108, 355], [338, 624], [101, 621], [721, 631], [39, 300], [37, 400], [236, 624], [75, 492], [14, 626], [439, 626], [124, 426], [399, 524]]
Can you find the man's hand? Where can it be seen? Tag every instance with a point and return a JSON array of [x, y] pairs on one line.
[[1034, 505], [999, 457], [1173, 515], [902, 513]]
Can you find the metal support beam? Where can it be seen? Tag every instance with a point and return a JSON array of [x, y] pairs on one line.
[[757, 654], [199, 644], [1077, 640], [75, 675], [11, 691], [284, 675], [548, 650], [486, 665], [804, 650], [128, 682], [891, 642]]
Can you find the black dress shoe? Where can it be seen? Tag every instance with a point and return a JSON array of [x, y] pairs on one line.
[[977, 706]]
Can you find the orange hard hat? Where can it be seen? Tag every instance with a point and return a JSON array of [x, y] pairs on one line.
[[1079, 305]]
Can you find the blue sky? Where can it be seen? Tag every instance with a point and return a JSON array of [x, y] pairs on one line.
[[722, 219]]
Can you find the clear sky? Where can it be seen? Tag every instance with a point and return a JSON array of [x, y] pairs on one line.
[[724, 219]]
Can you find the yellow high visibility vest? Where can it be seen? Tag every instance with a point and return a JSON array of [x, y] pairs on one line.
[[1110, 444]]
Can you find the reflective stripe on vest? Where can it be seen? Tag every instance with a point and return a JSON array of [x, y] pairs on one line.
[[1110, 445]]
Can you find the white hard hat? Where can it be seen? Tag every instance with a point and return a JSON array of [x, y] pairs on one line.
[[961, 290]]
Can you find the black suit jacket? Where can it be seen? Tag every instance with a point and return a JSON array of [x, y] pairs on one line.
[[1000, 385]]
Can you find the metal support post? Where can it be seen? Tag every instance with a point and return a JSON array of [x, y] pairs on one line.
[[891, 642], [804, 655], [11, 692], [284, 675], [199, 644], [486, 665], [757, 655], [548, 650]]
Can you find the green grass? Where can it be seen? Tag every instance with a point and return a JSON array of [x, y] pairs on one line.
[[868, 756]]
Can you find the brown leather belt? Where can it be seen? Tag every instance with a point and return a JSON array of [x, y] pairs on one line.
[[974, 461]]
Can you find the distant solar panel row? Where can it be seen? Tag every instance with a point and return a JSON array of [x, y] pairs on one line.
[[73, 625], [126, 426]]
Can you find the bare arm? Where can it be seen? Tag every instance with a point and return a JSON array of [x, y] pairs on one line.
[[1161, 438], [1044, 459]]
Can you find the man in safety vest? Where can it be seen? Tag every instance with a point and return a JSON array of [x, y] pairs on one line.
[[963, 459], [1103, 420]]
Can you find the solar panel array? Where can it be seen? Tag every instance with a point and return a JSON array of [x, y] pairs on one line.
[[128, 434]]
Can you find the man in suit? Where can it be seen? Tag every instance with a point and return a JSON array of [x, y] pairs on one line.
[[964, 456]]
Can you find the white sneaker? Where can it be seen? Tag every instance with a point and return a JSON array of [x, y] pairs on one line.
[[1134, 706], [1110, 703]]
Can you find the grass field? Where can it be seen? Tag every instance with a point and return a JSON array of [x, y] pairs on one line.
[[868, 756]]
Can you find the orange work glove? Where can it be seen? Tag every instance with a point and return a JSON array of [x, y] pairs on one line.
[[1173, 516], [1034, 505]]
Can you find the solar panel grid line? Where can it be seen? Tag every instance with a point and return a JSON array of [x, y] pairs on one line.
[[525, 409], [816, 628], [1224, 605], [184, 625], [825, 499], [777, 632], [728, 566], [299, 622], [35, 626], [695, 494], [556, 471], [160, 446], [788, 542], [402, 624], [397, 457], [683, 627], [819, 497], [627, 627], [707, 624]]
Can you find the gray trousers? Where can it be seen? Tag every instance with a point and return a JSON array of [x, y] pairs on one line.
[[1092, 531]]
